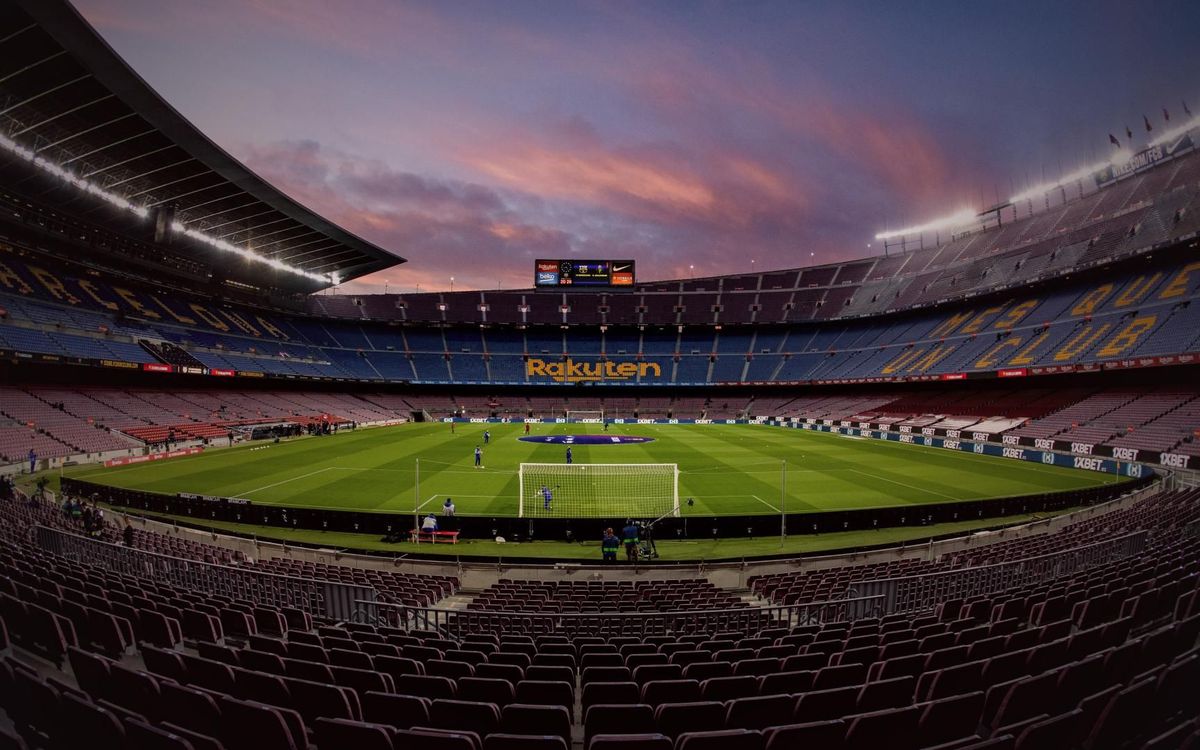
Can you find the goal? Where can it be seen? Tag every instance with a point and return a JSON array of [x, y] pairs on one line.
[[643, 491], [577, 415]]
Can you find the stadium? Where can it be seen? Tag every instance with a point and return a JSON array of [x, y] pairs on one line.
[[941, 495]]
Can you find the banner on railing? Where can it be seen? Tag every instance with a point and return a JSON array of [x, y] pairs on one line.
[[123, 460]]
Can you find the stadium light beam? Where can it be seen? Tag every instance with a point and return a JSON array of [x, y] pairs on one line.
[[958, 219], [250, 255]]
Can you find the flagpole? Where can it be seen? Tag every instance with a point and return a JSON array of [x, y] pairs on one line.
[[782, 502], [417, 499]]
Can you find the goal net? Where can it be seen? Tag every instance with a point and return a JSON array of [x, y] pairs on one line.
[[643, 491], [576, 415]]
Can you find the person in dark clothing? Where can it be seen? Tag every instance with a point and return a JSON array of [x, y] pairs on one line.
[[127, 534], [630, 537], [609, 546]]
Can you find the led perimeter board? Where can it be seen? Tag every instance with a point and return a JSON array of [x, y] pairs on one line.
[[568, 274]]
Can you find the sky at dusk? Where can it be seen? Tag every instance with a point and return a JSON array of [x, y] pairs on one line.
[[474, 137]]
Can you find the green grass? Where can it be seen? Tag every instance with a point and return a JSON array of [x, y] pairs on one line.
[[727, 469]]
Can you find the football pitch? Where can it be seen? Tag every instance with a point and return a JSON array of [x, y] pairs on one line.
[[724, 469]]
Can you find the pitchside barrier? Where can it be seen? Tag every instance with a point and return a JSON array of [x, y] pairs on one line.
[[455, 623], [325, 598], [198, 511], [921, 592]]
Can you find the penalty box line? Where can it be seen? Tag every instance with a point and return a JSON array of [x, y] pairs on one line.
[[435, 497]]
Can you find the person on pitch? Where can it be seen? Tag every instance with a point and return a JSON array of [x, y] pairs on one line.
[[606, 425], [547, 496], [609, 545], [630, 537], [526, 428], [430, 524], [487, 437], [568, 454], [478, 457], [448, 507]]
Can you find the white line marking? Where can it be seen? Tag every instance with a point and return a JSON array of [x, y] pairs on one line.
[[910, 486], [764, 502], [285, 481]]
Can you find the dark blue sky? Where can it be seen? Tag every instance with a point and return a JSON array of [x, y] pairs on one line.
[[472, 137]]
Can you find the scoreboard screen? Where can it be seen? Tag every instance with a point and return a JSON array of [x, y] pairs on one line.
[[582, 273]]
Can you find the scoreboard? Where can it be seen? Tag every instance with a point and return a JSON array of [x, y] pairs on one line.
[[582, 273]]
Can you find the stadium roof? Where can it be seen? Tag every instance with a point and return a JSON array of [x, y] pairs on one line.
[[69, 103]]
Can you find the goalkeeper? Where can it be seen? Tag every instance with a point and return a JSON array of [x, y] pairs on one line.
[[546, 497]]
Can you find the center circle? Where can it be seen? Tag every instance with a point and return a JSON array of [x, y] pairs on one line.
[[585, 439]]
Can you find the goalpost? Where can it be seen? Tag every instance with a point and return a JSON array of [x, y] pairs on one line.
[[644, 491], [577, 415]]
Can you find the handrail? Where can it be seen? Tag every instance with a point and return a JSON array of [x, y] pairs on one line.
[[923, 590], [329, 598], [473, 620]]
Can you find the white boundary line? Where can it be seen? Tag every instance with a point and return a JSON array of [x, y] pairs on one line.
[[949, 497], [285, 481], [756, 497]]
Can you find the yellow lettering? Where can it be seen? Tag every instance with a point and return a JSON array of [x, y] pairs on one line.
[[132, 300], [990, 359], [270, 328], [1092, 300], [626, 370], [645, 368], [1128, 336], [935, 355], [1080, 342], [901, 361], [1178, 286], [1137, 289], [535, 367], [90, 289], [1016, 315], [1025, 356], [208, 317], [976, 325], [949, 324], [11, 280], [179, 318], [53, 285], [241, 323]]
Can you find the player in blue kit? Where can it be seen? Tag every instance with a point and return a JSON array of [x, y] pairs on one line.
[[568, 454], [478, 457], [546, 497]]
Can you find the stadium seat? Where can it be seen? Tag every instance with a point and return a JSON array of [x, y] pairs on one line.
[[728, 739], [630, 742], [499, 741], [518, 718], [758, 712], [480, 718], [808, 734], [607, 718], [399, 711], [674, 719]]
